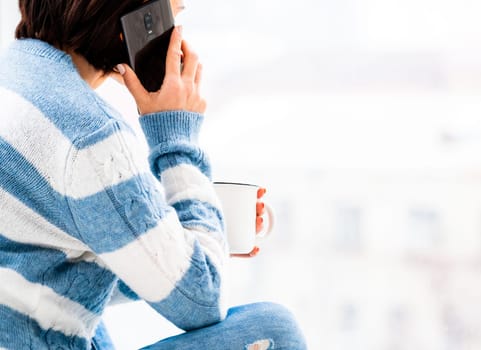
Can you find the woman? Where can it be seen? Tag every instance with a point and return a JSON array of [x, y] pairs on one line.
[[82, 215]]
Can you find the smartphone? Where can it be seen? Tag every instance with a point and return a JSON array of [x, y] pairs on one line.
[[146, 32]]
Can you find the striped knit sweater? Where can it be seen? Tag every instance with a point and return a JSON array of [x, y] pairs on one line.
[[83, 209]]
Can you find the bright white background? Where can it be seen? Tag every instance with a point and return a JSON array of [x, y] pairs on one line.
[[362, 118]]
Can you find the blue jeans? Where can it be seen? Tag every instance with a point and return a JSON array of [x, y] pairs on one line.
[[259, 326]]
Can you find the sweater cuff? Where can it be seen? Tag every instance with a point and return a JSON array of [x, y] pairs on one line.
[[171, 127]]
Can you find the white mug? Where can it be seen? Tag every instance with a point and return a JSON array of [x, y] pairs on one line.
[[238, 202]]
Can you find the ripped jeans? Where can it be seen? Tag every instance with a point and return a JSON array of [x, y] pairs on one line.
[[260, 326]]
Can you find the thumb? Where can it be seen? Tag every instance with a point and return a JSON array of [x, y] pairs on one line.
[[133, 84]]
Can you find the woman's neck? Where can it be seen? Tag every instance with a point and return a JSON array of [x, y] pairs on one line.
[[89, 73]]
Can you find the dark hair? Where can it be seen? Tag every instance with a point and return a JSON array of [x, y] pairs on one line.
[[90, 28]]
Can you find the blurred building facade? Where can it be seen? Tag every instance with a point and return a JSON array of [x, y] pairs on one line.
[[374, 259]]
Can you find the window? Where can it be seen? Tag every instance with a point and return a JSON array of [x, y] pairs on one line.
[[349, 318], [347, 228], [424, 230]]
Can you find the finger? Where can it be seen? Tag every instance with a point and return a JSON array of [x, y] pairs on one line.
[[260, 208], [191, 62], [198, 75], [253, 253], [133, 83], [260, 192], [202, 106], [259, 224], [174, 53]]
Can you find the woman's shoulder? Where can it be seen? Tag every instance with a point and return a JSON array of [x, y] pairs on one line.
[[46, 79]]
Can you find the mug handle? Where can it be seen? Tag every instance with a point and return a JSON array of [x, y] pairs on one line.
[[267, 229]]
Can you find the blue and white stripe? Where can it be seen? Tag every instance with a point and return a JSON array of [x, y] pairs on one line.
[[49, 309], [80, 208]]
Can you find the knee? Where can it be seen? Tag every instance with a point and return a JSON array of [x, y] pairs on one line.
[[278, 327], [274, 313]]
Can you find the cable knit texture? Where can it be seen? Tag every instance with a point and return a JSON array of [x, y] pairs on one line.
[[87, 216]]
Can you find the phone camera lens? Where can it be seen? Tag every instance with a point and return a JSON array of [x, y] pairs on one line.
[[148, 22]]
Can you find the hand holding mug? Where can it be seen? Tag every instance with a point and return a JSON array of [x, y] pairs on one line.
[[244, 215], [260, 212]]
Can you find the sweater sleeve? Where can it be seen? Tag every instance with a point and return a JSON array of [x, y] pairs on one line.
[[167, 244]]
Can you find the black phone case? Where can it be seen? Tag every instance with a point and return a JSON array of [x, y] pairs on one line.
[[147, 32]]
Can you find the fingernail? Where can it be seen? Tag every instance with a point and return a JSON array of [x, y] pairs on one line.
[[254, 251], [260, 192], [121, 69], [180, 29]]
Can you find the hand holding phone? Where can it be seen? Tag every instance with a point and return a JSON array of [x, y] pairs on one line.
[[181, 87]]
